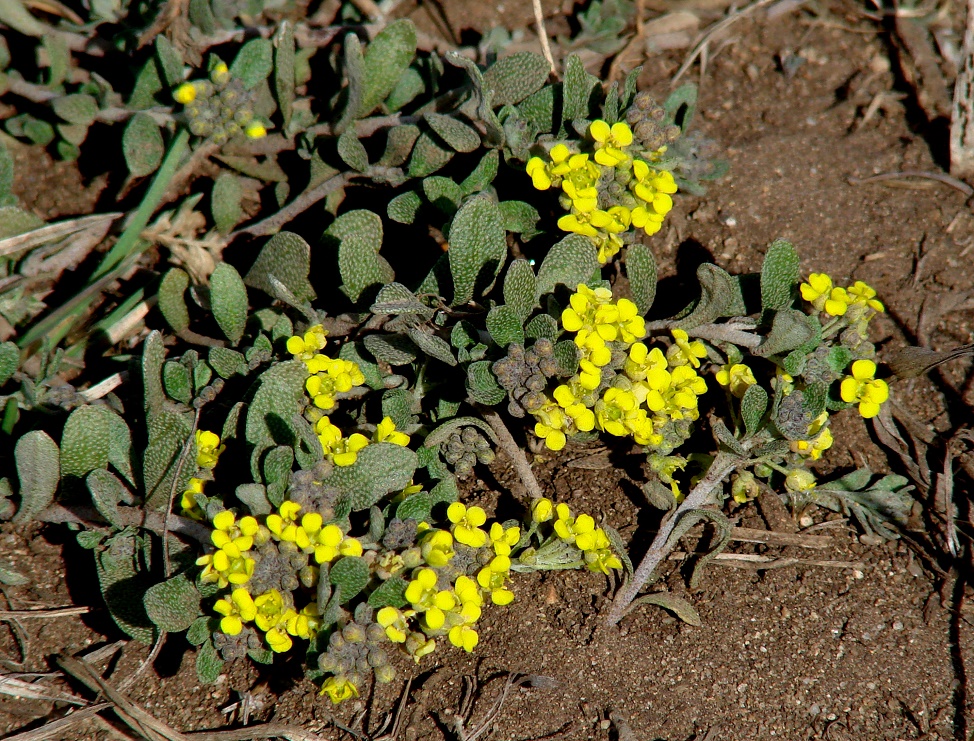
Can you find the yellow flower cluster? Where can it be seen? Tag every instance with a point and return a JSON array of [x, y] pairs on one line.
[[652, 390], [819, 439], [343, 451], [864, 388], [583, 534], [858, 300], [232, 564], [208, 450], [327, 376], [595, 211]]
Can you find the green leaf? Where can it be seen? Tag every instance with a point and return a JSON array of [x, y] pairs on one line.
[[482, 384], [400, 405], [106, 492], [38, 464], [399, 145], [173, 605], [410, 85], [681, 105], [780, 276], [142, 145], [153, 355], [284, 71], [9, 360], [168, 432], [514, 78], [199, 631], [391, 593], [432, 345], [352, 151], [277, 472], [353, 351], [202, 374], [254, 62], [577, 89], [443, 193], [754, 404], [543, 326], [815, 397], [170, 61], [287, 257], [717, 292], [483, 174], [388, 56], [427, 156], [14, 13], [671, 603], [478, 248], [209, 665], [351, 574], [359, 237], [176, 379], [641, 269], [79, 108], [228, 300], [404, 207], [85, 442], [504, 326], [255, 497], [520, 290], [225, 202], [381, 468], [571, 261], [172, 302], [520, 217], [454, 132], [227, 362], [14, 221], [442, 432], [567, 356], [838, 359], [395, 298], [279, 398], [123, 579], [415, 507], [538, 110], [789, 329], [391, 349]]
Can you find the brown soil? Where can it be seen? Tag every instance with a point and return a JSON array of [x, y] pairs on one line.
[[803, 652]]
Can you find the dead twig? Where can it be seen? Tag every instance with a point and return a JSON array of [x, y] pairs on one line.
[[31, 691], [510, 446], [135, 516], [760, 563], [938, 176], [772, 537], [543, 35], [299, 205], [701, 46], [56, 729]]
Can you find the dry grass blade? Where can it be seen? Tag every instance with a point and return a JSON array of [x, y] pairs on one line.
[[962, 109], [772, 537], [54, 232], [32, 691], [889, 435], [59, 729], [543, 35], [938, 176], [701, 46], [760, 563], [267, 730], [53, 612]]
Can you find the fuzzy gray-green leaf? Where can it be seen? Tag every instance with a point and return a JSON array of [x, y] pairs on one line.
[[386, 59], [521, 218], [577, 89], [254, 62], [780, 275], [38, 470], [514, 78], [404, 207], [284, 70], [228, 300], [288, 258], [571, 261], [142, 145], [504, 326], [427, 156], [225, 202], [359, 237], [457, 134], [672, 603], [567, 356], [255, 497], [483, 174], [227, 362], [641, 269], [352, 151], [442, 432], [717, 293], [106, 492], [170, 61], [754, 404], [380, 469], [543, 326], [351, 574], [173, 605], [432, 345], [9, 360], [409, 86], [209, 665], [278, 399], [79, 108], [482, 384], [171, 299], [85, 441], [789, 329], [443, 193], [176, 379], [520, 289], [478, 247], [390, 593], [399, 145], [153, 355], [391, 349]]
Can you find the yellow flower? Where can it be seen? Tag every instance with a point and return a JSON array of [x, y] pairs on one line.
[[436, 547], [538, 173], [820, 293], [190, 508], [493, 577], [800, 480], [503, 540], [220, 74], [394, 622], [468, 593], [255, 130], [330, 376], [465, 637], [642, 361], [385, 432], [270, 609], [737, 378], [185, 93], [225, 568], [341, 451], [466, 524], [541, 510], [864, 295], [236, 611], [418, 645], [863, 387], [569, 528], [609, 142], [284, 523], [819, 439], [613, 410], [208, 448], [232, 536], [654, 189], [427, 600], [550, 425], [305, 347], [684, 351], [570, 398], [304, 624], [338, 689]]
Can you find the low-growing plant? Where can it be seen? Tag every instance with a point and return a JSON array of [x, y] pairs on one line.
[[466, 276]]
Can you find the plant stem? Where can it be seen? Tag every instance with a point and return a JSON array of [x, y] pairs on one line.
[[510, 446], [723, 464]]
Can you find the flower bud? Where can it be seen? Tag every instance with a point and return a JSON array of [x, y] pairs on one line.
[[800, 480]]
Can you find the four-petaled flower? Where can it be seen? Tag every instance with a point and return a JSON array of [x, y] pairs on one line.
[[338, 689], [736, 378], [610, 141], [236, 611], [466, 524], [863, 387], [208, 448]]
